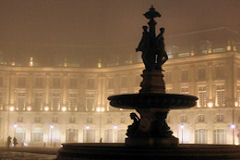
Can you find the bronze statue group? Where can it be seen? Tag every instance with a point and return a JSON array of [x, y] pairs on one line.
[[153, 49]]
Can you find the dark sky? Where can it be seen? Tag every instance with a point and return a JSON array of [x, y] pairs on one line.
[[29, 27]]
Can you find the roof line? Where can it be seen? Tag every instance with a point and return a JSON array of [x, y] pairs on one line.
[[202, 31]]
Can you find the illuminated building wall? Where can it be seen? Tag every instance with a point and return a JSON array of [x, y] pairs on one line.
[[50, 106]]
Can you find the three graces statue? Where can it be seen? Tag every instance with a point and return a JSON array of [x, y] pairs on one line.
[[152, 46]]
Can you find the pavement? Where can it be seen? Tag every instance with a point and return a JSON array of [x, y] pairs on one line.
[[28, 153]]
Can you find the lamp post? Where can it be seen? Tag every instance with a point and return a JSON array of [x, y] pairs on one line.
[[182, 127], [100, 110], [15, 126], [11, 109], [51, 128], [233, 126]]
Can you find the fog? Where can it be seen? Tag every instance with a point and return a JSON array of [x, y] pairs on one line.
[[96, 29]]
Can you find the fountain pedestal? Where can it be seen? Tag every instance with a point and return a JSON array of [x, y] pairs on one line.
[[153, 105]]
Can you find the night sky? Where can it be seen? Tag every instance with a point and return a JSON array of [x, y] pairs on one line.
[[97, 27]]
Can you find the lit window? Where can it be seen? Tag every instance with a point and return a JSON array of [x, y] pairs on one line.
[[202, 97], [55, 119], [110, 83], [89, 120], [220, 118], [72, 101], [201, 74], [184, 90], [124, 82], [71, 135], [21, 82], [91, 84], [183, 119], [39, 82], [219, 136], [108, 135], [37, 119], [109, 120], [20, 119], [121, 135], [56, 83], [184, 76], [219, 72], [90, 103], [201, 118], [21, 101], [37, 135], [55, 101], [38, 101], [168, 77], [72, 119], [122, 120], [72, 83], [220, 96], [88, 135], [201, 136]]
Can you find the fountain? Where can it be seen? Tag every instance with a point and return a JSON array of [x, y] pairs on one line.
[[149, 136], [152, 103]]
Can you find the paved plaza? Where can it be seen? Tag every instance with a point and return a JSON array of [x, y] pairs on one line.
[[9, 155]]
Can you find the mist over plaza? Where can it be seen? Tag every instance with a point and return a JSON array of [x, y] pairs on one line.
[[61, 59]]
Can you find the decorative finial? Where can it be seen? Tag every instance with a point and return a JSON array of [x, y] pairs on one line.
[[152, 13]]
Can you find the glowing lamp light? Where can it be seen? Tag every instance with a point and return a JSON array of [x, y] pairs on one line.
[[64, 108], [115, 127], [15, 125], [87, 127], [232, 126], [46, 108], [236, 104], [182, 126], [11, 108], [210, 104], [29, 108], [100, 109], [51, 126], [25, 144]]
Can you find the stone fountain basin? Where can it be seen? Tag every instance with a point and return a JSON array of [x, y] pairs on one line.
[[153, 100]]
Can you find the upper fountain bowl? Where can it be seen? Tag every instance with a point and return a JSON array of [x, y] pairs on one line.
[[153, 100]]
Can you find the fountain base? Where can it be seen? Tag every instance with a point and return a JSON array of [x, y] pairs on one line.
[[153, 142], [119, 151]]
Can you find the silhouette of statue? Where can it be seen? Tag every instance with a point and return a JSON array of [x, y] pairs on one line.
[[131, 131], [152, 46], [144, 46], [160, 50]]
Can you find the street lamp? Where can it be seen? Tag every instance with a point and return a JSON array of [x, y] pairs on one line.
[[182, 127], [11, 108], [210, 104], [100, 110], [233, 126], [15, 126], [29, 108], [64, 108], [51, 128], [115, 127], [46, 108]]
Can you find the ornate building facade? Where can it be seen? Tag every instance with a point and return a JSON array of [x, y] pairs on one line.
[[48, 106]]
